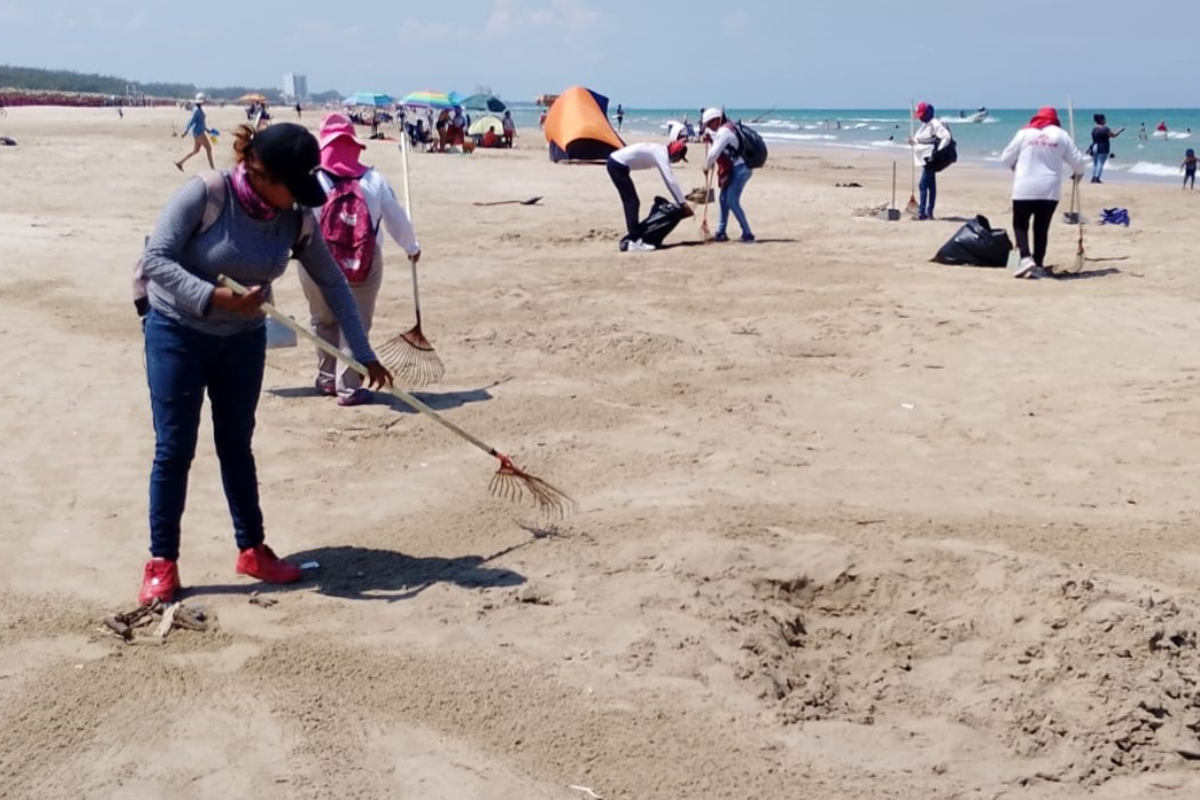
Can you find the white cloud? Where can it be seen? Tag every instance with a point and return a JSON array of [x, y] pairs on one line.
[[512, 17], [576, 15], [415, 30]]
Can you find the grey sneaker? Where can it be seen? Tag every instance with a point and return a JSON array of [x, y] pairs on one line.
[[1027, 269], [638, 246]]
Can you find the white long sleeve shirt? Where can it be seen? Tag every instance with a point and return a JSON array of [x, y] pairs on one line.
[[646, 155], [724, 139], [382, 203], [931, 136], [1039, 157]]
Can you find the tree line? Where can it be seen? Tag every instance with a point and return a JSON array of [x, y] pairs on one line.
[[61, 80]]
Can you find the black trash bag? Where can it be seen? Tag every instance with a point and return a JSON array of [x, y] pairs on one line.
[[977, 244], [659, 223]]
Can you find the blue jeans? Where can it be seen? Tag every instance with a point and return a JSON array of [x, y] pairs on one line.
[[180, 364], [731, 199], [1098, 162], [928, 192]]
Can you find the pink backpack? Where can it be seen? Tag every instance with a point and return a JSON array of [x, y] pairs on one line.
[[346, 227]]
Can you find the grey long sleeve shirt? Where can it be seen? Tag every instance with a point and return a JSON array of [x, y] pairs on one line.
[[181, 268]]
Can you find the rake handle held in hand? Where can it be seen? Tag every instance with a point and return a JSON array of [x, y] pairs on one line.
[[1077, 193], [912, 133], [412, 219], [707, 194], [353, 363]]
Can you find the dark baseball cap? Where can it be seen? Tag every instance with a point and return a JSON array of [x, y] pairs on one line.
[[291, 156]]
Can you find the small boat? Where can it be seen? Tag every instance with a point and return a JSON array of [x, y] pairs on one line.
[[978, 116]]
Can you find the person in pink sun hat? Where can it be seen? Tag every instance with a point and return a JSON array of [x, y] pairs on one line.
[[360, 200]]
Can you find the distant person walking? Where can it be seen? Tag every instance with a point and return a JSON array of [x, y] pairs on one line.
[[1189, 168], [198, 126], [299, 111], [644, 156], [1037, 155], [933, 135], [733, 173], [1101, 148], [620, 117]]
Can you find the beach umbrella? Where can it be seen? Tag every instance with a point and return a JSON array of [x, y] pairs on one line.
[[427, 99], [484, 102], [253, 97], [372, 99]]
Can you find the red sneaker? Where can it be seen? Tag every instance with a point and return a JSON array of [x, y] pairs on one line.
[[262, 563], [159, 580]]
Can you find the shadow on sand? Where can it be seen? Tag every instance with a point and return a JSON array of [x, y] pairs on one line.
[[360, 573], [438, 402]]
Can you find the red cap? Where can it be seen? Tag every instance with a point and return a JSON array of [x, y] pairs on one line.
[[921, 109], [1045, 117], [677, 149]]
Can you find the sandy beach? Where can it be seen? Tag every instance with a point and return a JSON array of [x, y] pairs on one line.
[[852, 524]]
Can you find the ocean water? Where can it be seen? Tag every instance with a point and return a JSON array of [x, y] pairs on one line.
[[886, 130]]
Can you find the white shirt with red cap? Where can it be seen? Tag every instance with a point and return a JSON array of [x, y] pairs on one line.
[[646, 155], [1039, 158]]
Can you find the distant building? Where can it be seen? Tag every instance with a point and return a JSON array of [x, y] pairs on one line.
[[295, 87]]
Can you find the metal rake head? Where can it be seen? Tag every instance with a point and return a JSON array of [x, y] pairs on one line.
[[411, 358], [514, 484]]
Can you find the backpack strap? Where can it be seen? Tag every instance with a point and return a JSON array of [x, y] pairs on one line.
[[308, 225], [214, 184]]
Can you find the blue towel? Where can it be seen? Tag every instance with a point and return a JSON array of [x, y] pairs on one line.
[[1115, 216]]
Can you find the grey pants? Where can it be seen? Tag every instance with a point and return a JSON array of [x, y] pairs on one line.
[[326, 326]]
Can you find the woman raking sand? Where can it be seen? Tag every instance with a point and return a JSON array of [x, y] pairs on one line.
[[204, 338], [354, 190]]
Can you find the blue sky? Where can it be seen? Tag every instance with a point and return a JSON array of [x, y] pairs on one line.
[[682, 53]]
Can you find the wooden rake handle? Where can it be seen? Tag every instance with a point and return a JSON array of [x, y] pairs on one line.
[[326, 347]]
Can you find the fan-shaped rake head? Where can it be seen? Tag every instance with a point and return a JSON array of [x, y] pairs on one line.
[[412, 359], [514, 484]]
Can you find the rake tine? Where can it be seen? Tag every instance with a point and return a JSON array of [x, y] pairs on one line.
[[417, 366], [512, 484]]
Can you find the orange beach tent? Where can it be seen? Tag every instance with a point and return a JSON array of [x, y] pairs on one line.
[[578, 129]]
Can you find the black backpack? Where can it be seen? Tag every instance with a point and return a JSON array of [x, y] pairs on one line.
[[752, 148]]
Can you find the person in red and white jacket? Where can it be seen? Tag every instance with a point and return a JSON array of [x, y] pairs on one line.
[[1038, 155], [733, 173]]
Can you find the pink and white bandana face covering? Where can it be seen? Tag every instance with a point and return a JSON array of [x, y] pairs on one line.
[[254, 205]]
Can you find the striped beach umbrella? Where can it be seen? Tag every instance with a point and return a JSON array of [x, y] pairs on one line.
[[427, 99]]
